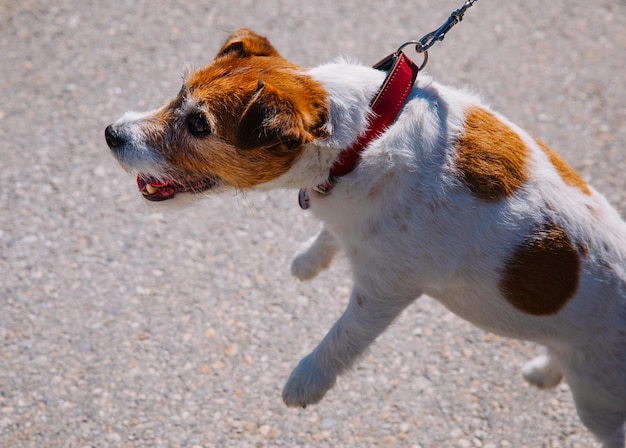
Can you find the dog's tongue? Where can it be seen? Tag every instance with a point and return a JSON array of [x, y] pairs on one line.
[[155, 190]]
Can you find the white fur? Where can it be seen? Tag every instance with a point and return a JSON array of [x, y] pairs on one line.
[[139, 157], [452, 246], [543, 371]]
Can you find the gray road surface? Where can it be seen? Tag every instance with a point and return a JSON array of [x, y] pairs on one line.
[[127, 326]]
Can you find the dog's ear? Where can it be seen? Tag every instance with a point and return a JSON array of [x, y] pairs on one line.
[[271, 119], [246, 43]]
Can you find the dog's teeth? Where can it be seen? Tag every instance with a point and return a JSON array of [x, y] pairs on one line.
[[150, 189]]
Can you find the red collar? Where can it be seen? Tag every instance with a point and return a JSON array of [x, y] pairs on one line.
[[401, 74]]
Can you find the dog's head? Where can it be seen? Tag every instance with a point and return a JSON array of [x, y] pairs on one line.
[[240, 122]]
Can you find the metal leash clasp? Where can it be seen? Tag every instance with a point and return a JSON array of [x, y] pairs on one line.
[[423, 45]]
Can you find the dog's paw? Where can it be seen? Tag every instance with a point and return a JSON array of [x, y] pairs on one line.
[[314, 255], [305, 266], [542, 373], [307, 384]]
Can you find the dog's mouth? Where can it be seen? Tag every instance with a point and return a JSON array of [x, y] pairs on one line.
[[163, 189]]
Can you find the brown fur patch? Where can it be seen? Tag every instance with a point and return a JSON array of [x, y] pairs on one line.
[[542, 275], [262, 110], [491, 157], [567, 173], [245, 43]]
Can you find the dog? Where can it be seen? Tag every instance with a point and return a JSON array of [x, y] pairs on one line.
[[451, 200]]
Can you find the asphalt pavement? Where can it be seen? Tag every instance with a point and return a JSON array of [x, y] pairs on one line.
[[123, 325]]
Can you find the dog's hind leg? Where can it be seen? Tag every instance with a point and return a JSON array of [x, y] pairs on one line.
[[363, 320], [604, 421], [543, 371], [314, 255]]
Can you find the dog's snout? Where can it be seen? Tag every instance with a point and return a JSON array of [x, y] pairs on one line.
[[114, 137]]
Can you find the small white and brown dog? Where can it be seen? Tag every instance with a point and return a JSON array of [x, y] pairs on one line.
[[452, 200]]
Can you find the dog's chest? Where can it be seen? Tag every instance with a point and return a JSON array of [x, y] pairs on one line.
[[395, 237]]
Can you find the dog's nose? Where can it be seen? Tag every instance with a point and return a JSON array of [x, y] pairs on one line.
[[114, 137]]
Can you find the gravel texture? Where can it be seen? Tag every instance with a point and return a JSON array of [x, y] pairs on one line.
[[123, 325]]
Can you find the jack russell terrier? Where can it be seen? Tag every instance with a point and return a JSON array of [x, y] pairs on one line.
[[448, 198]]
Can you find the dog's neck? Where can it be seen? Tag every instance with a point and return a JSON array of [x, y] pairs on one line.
[[350, 89]]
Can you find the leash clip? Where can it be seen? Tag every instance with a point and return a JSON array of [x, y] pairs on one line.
[[430, 39], [417, 45]]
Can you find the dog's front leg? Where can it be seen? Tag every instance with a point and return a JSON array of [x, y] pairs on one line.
[[314, 255], [364, 319]]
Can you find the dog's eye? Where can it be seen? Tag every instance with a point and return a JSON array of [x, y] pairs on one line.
[[198, 125]]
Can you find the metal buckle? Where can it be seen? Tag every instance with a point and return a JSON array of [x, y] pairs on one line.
[[430, 39]]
